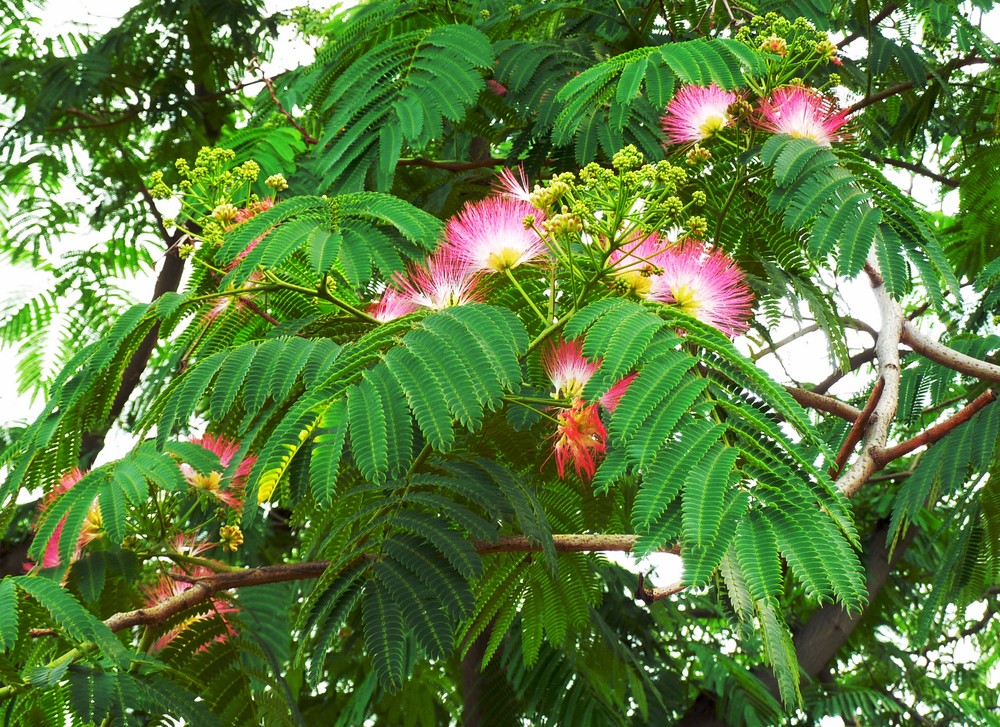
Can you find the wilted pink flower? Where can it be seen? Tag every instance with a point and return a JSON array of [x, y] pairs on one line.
[[237, 302], [90, 530], [167, 587], [636, 261], [802, 113], [225, 449], [390, 306], [496, 87], [514, 185], [490, 236], [443, 281], [696, 113], [252, 210], [580, 438], [706, 284], [614, 395]]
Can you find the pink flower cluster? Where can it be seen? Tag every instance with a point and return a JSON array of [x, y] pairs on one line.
[[90, 531], [696, 113], [580, 436], [166, 586], [702, 281], [485, 237], [225, 449]]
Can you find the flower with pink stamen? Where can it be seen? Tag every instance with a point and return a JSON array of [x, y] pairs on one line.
[[514, 185], [568, 369], [802, 113], [443, 281], [697, 112], [614, 395], [636, 261], [390, 306], [225, 449], [90, 530], [490, 236], [706, 284]]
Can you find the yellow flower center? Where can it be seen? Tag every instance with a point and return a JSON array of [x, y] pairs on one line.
[[686, 298], [506, 258], [209, 482], [711, 125]]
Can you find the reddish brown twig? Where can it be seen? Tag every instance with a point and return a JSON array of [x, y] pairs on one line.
[[885, 456], [306, 136], [858, 429]]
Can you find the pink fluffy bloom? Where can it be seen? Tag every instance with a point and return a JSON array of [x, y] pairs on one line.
[[443, 281], [635, 262], [252, 210], [236, 302], [225, 449], [390, 306], [166, 587], [90, 530], [706, 284], [580, 439], [514, 185], [496, 87], [568, 369], [696, 113], [490, 236], [802, 113], [614, 395]]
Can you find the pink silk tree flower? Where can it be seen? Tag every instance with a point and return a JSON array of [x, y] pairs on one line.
[[490, 236], [802, 113], [225, 449], [580, 439], [636, 261], [706, 284], [390, 306], [443, 281], [166, 587], [514, 185], [568, 369], [614, 395], [90, 531], [697, 112]]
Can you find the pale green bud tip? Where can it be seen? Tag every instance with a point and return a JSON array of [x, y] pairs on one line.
[[277, 182]]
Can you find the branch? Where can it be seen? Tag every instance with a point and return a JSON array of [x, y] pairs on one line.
[[916, 169], [817, 401], [202, 589], [306, 136], [885, 93], [853, 364], [935, 433], [949, 357], [854, 436], [887, 352], [455, 166], [882, 15]]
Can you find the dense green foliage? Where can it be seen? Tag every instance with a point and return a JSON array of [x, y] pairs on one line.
[[392, 533]]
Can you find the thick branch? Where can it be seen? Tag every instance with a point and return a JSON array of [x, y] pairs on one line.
[[887, 352], [935, 433], [813, 400], [203, 589], [949, 357]]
